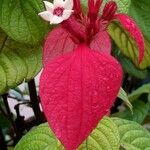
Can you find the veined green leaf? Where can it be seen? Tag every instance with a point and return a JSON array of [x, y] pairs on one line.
[[141, 90], [131, 69], [128, 46], [17, 63], [132, 135], [3, 38], [123, 96], [139, 10], [104, 137], [110, 134], [128, 66], [20, 20], [40, 138], [140, 110], [123, 41], [146, 63]]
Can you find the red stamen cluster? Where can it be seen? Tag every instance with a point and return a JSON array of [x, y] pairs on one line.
[[85, 27], [58, 11]]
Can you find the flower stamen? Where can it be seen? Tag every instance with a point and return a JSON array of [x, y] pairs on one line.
[[58, 11]]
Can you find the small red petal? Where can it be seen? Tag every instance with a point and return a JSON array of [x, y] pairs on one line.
[[77, 9], [76, 91], [109, 11], [101, 42], [130, 25], [91, 6], [94, 7]]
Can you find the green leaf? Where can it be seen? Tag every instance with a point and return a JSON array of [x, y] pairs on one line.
[[110, 134], [146, 63], [128, 46], [40, 138], [123, 96], [3, 38], [20, 20], [104, 137], [130, 68], [137, 93], [140, 111], [139, 10], [17, 63], [132, 135], [123, 41]]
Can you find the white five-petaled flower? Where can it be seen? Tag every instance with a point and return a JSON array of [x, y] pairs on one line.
[[57, 12]]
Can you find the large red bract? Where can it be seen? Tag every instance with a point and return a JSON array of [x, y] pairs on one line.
[[77, 90]]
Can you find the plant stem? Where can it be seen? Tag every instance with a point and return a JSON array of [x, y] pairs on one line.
[[35, 101], [7, 105]]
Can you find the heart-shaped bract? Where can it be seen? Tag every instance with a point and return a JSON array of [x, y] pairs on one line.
[[77, 90]]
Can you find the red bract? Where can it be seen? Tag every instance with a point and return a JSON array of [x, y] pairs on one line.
[[81, 79], [77, 90], [109, 11], [57, 43], [129, 24]]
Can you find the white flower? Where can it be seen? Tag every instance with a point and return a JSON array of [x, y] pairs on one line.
[[57, 12]]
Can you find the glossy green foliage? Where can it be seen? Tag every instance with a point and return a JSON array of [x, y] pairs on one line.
[[125, 43], [144, 89], [104, 137], [111, 133], [139, 10], [138, 114], [21, 34], [20, 20], [130, 68], [18, 62], [132, 135]]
